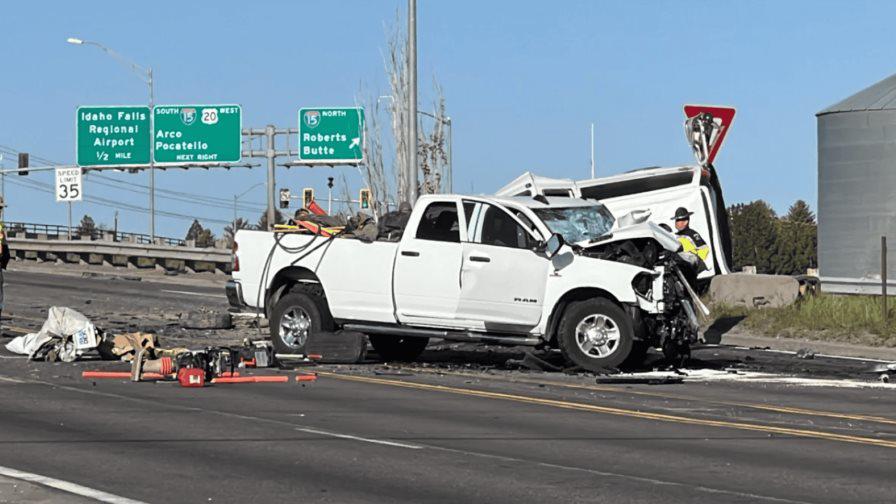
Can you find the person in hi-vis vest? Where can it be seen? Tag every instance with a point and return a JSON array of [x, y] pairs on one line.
[[691, 241], [4, 254]]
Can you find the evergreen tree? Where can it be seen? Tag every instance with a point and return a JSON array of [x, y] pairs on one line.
[[800, 212], [87, 227], [202, 236], [754, 235]]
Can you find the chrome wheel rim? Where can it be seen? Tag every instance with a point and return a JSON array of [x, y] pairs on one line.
[[598, 336], [294, 327]]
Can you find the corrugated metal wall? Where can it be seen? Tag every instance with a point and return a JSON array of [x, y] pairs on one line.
[[856, 192]]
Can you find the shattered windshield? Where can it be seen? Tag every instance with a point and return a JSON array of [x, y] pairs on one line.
[[579, 223]]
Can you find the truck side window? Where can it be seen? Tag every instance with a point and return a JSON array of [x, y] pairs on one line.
[[499, 228], [439, 223]]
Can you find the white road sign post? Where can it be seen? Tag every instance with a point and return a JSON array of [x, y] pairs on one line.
[[68, 185]]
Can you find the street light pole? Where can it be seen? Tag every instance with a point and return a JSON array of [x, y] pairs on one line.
[[235, 199], [145, 75], [412, 102]]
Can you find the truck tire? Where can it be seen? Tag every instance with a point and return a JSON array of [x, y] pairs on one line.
[[397, 348], [295, 316], [595, 334]]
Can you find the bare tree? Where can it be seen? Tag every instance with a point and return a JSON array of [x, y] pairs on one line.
[[374, 169], [431, 147], [397, 69]]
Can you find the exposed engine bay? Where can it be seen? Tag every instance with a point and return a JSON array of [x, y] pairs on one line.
[[676, 326]]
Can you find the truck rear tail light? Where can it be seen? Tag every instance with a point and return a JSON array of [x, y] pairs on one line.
[[235, 266]]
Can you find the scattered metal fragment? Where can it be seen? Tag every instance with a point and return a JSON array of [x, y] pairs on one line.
[[805, 353], [638, 380]]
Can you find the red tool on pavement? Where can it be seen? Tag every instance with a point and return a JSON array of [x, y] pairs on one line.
[[191, 377]]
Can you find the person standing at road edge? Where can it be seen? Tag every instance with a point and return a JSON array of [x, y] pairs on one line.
[[4, 257]]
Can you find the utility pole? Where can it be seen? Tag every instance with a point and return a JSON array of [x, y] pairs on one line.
[[412, 102], [592, 150], [271, 155]]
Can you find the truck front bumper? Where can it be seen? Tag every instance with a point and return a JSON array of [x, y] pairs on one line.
[[234, 294]]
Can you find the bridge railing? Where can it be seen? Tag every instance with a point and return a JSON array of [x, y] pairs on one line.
[[57, 232]]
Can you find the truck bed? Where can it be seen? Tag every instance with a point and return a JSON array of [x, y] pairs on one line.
[[356, 276]]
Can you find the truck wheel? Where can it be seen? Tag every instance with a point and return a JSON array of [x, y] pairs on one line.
[[595, 334], [293, 319], [397, 348]]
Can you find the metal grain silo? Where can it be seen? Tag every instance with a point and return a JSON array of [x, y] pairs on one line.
[[857, 189]]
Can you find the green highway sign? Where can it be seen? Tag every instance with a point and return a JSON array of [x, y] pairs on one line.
[[113, 136], [197, 134], [331, 135]]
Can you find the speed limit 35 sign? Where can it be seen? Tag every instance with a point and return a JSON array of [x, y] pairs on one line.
[[68, 184]]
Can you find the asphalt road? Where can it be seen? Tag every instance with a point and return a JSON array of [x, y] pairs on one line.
[[436, 431]]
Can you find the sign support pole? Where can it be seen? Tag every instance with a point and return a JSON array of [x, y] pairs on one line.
[[69, 220], [152, 164]]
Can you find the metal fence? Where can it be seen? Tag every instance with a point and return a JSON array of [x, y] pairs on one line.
[[54, 231]]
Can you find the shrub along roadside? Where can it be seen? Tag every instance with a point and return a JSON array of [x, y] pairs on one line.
[[847, 319]]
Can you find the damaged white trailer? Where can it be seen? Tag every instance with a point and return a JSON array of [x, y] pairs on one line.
[[653, 194]]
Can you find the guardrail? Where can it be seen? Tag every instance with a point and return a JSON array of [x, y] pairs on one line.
[[45, 243], [62, 232]]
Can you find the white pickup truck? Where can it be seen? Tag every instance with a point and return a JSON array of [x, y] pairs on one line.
[[537, 271]]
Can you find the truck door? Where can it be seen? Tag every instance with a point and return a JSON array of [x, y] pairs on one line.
[[502, 278], [427, 268]]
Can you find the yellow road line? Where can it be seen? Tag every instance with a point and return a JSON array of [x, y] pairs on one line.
[[620, 411], [598, 388]]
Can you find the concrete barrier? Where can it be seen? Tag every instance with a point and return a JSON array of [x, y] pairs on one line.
[[123, 254], [754, 291]]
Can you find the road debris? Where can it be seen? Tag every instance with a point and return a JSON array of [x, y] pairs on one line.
[[66, 335], [634, 379], [206, 319], [532, 362], [805, 353]]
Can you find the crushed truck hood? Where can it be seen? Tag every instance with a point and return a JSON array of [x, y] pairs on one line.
[[635, 231]]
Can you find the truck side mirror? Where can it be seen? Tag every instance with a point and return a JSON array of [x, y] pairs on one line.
[[553, 245]]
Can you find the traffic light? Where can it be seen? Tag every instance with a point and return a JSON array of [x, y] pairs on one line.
[[364, 199], [23, 163], [307, 196], [284, 198]]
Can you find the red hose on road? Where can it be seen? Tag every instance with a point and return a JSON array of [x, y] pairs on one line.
[[120, 374], [252, 379]]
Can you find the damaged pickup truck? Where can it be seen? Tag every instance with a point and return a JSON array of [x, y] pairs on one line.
[[537, 271]]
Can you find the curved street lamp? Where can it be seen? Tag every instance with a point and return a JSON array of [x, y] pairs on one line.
[[145, 75]]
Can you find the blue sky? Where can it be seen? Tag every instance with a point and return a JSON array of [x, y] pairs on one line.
[[523, 80]]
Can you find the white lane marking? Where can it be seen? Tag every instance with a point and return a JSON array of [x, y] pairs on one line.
[[606, 474], [67, 486], [357, 438], [189, 293], [11, 380], [653, 481]]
